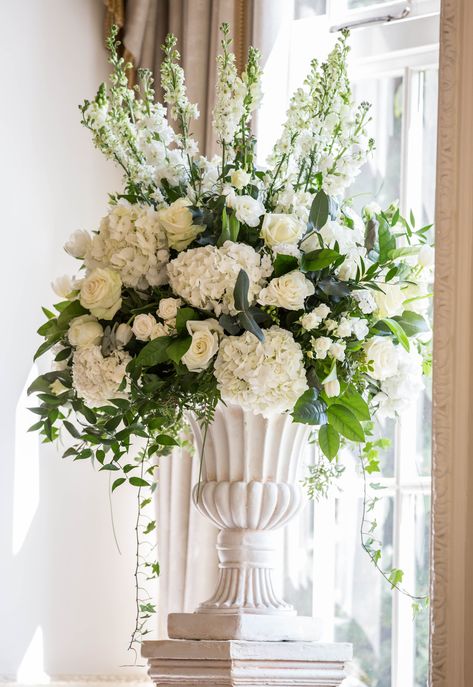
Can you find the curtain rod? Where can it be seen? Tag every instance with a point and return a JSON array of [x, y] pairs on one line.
[[384, 19]]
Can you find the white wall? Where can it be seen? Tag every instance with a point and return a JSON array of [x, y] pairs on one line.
[[66, 595]]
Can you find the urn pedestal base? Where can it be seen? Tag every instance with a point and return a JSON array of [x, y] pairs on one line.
[[243, 626], [188, 663]]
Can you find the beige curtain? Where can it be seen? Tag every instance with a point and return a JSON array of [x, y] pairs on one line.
[[195, 23]]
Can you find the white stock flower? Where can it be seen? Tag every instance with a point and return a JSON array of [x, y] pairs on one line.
[[360, 328], [168, 308], [281, 228], [332, 388], [389, 301], [286, 249], [264, 377], [248, 210], [288, 291], [344, 329], [315, 317], [132, 242], [401, 389], [321, 346], [383, 355], [239, 178], [143, 326], [337, 350], [365, 300], [426, 257], [205, 277], [204, 345], [178, 224], [101, 293], [84, 331], [78, 244], [96, 379], [63, 286], [123, 334]]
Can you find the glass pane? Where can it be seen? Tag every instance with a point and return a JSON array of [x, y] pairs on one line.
[[422, 547], [299, 561], [424, 433], [355, 4], [380, 178], [309, 8], [363, 599], [429, 80]]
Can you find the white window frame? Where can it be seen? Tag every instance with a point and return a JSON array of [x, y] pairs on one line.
[[339, 12]]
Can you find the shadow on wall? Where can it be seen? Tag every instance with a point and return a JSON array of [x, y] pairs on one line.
[[66, 595]]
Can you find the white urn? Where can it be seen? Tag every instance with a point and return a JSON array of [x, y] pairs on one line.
[[249, 488]]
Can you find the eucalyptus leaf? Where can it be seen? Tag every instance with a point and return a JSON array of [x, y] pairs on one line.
[[319, 210]]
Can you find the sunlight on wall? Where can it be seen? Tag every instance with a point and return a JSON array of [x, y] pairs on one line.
[[26, 482], [31, 668]]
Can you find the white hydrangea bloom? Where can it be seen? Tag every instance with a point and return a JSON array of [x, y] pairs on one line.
[[205, 277], [96, 379], [264, 377], [132, 242]]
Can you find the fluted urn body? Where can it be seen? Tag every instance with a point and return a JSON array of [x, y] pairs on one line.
[[249, 488]]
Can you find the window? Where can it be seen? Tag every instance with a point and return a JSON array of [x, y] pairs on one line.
[[326, 572]]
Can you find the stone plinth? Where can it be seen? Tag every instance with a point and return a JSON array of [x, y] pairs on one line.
[[180, 662]]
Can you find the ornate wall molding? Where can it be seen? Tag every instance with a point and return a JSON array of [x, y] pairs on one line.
[[452, 580]]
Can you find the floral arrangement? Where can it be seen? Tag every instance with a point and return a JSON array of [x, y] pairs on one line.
[[213, 280]]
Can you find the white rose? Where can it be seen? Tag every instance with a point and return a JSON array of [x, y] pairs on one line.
[[204, 344], [85, 331], [123, 334], [345, 328], [248, 210], [337, 350], [310, 321], [332, 388], [177, 222], [330, 325], [288, 291], [321, 347], [382, 353], [63, 286], [101, 293], [143, 326], [281, 228], [159, 329], [168, 308], [321, 311], [426, 257], [78, 244], [240, 178], [389, 303]]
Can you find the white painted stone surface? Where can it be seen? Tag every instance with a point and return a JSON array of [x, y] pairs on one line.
[[248, 489], [183, 663]]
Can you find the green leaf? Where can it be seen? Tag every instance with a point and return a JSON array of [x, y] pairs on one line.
[[74, 309], [225, 233], [356, 403], [154, 352], [46, 345], [248, 322], [240, 292], [109, 467], [182, 317], [397, 330], [178, 348], [412, 323], [334, 288], [396, 575], [230, 324], [401, 252], [138, 482], [118, 482], [318, 259], [233, 227], [332, 375], [345, 422], [165, 440], [319, 211], [329, 441], [73, 431], [309, 409], [387, 242], [284, 264], [50, 315]]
